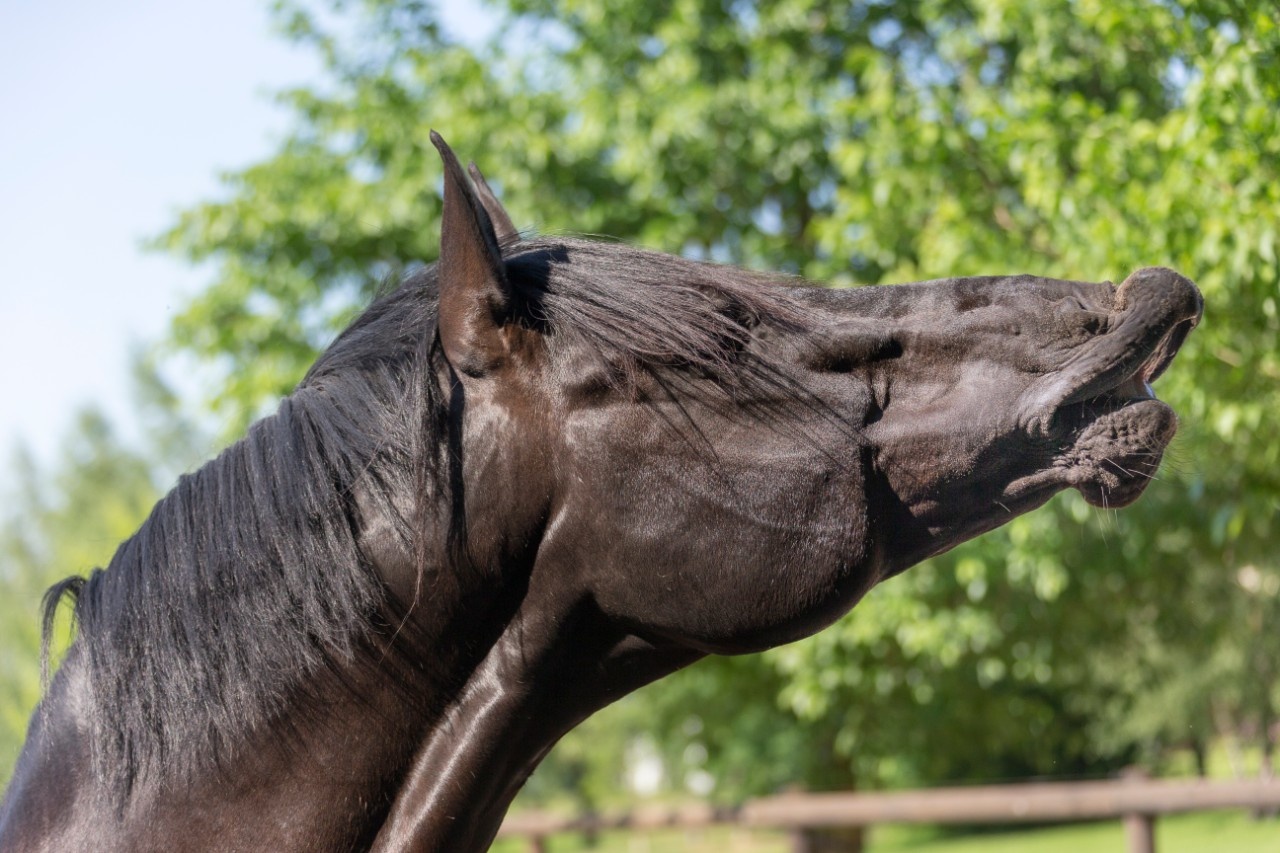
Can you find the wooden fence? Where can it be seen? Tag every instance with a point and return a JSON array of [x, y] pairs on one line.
[[1135, 799]]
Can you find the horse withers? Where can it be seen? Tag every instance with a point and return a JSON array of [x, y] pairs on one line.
[[536, 476]]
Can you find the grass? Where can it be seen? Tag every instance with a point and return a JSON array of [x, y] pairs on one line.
[[1232, 831]]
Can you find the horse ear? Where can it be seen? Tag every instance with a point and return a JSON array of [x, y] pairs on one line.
[[502, 224], [474, 294]]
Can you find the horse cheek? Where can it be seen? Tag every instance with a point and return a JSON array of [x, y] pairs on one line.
[[770, 549]]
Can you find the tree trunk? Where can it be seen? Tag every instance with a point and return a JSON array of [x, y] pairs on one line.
[[1266, 767], [1201, 753], [1230, 737], [835, 840], [833, 774]]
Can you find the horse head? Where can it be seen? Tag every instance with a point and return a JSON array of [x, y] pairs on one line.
[[744, 485]]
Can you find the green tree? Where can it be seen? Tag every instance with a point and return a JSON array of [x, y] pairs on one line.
[[858, 143]]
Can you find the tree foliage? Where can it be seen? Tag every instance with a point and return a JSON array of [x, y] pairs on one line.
[[857, 143]]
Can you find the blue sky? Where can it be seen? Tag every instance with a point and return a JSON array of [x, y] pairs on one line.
[[113, 116]]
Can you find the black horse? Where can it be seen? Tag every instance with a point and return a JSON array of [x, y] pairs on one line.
[[536, 476]]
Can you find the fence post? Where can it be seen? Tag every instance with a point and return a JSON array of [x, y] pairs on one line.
[[827, 840], [1141, 832], [1139, 828], [802, 841]]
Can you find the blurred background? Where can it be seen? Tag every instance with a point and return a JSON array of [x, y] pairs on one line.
[[194, 200]]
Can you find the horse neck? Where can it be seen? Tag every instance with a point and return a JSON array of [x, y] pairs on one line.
[[542, 662]]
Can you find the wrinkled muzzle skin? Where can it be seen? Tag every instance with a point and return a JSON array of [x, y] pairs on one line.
[[1005, 391]]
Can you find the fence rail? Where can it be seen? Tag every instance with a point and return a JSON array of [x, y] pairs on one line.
[[1133, 798]]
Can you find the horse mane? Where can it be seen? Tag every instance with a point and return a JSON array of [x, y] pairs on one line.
[[246, 580], [645, 311]]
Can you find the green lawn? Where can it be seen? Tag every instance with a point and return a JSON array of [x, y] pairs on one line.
[[1203, 832]]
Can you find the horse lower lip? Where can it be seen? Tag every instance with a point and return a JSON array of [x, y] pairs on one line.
[[1120, 451]]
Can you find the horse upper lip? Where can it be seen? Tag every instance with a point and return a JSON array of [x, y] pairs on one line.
[[1162, 293], [1152, 312], [1162, 356], [1138, 385], [1157, 309]]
